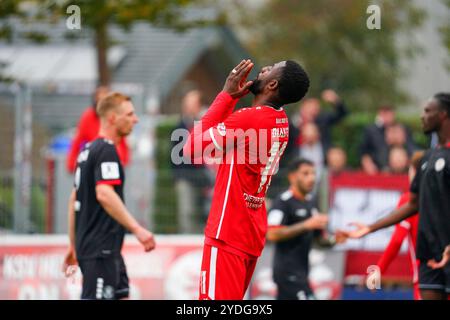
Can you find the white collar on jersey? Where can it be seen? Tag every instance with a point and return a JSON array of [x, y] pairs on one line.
[[272, 107]]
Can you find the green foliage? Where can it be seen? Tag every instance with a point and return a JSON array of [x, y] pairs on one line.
[[36, 37], [37, 206], [332, 41], [6, 203], [9, 8], [124, 13], [96, 15], [6, 33], [445, 33], [71, 36], [165, 199]]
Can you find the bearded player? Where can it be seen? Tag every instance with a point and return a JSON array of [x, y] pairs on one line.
[[248, 145]]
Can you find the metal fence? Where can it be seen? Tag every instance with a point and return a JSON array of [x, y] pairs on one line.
[[36, 123], [20, 195], [35, 186]]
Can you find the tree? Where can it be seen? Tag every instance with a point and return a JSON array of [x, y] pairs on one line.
[[97, 15], [331, 39], [445, 33]]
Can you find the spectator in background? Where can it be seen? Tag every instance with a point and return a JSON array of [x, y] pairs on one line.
[[374, 148], [310, 112], [336, 160], [326, 120], [398, 161], [192, 182], [312, 148], [87, 131], [397, 136]]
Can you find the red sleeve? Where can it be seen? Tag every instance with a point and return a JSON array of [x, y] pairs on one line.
[[124, 152], [400, 232], [393, 247], [200, 137], [78, 139], [403, 199]]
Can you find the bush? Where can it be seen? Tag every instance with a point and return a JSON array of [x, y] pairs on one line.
[[37, 206], [165, 198]]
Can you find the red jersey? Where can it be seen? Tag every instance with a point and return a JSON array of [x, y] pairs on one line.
[[87, 131], [248, 144], [405, 229]]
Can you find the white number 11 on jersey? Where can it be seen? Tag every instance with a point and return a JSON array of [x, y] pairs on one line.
[[275, 155]]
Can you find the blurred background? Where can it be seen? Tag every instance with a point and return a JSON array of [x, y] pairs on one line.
[[359, 123]]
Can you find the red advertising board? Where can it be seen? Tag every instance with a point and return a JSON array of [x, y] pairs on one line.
[[30, 268], [355, 196]]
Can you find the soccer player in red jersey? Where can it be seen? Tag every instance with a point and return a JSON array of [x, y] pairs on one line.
[[406, 228], [87, 131], [248, 145]]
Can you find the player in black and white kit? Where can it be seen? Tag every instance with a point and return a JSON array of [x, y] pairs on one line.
[[430, 195], [293, 224], [98, 217]]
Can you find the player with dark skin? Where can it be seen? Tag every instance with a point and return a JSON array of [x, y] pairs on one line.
[[435, 118], [236, 227], [267, 87], [264, 86]]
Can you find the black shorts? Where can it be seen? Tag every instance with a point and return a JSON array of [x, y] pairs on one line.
[[104, 278], [293, 290], [434, 279]]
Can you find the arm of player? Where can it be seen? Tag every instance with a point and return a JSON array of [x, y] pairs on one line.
[[79, 138], [392, 249], [235, 87], [70, 259], [202, 135], [326, 240], [408, 209], [340, 110], [283, 232], [445, 259], [115, 207], [368, 165], [71, 218]]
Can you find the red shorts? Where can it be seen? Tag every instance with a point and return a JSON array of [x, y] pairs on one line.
[[225, 275]]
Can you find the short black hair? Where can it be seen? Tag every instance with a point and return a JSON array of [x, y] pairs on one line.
[[293, 83], [295, 164], [443, 100]]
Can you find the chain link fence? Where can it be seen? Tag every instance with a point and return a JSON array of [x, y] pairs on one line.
[[36, 127]]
